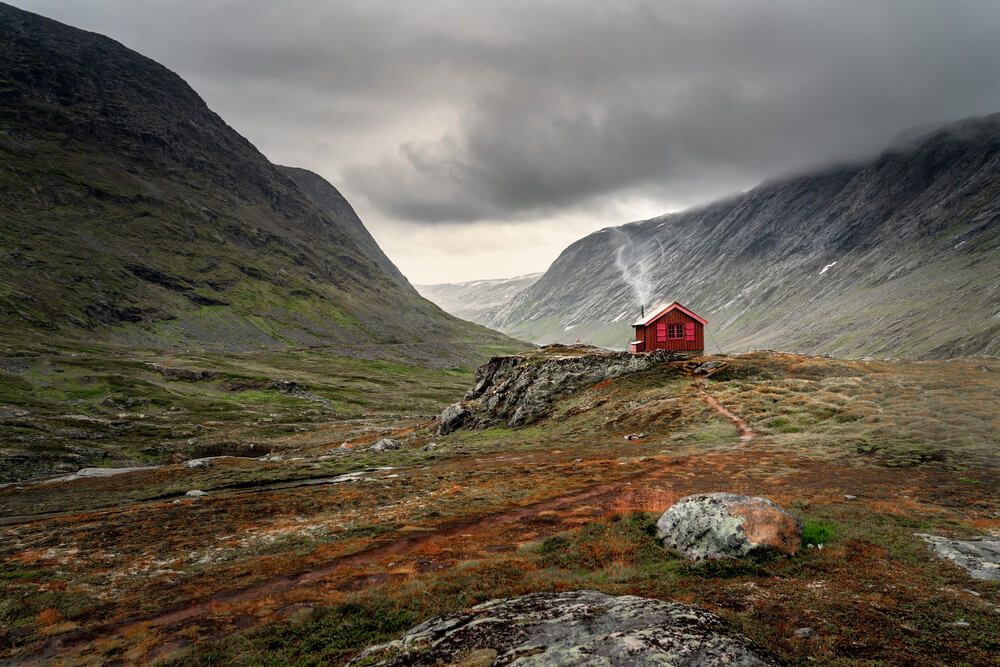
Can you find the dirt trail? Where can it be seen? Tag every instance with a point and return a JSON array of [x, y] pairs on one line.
[[746, 433]]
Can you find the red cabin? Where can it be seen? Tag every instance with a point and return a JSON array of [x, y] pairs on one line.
[[671, 328]]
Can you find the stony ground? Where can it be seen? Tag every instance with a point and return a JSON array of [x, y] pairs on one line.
[[314, 548]]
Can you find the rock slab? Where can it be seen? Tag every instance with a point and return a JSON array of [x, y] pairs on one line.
[[726, 525], [980, 558], [573, 628]]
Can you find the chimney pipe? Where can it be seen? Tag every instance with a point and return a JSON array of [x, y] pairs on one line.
[[642, 311]]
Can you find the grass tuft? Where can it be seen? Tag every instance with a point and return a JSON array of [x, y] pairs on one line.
[[817, 532]]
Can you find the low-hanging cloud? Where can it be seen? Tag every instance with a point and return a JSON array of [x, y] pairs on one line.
[[454, 112], [686, 101]]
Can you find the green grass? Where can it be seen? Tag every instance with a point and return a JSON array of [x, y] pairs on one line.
[[113, 390], [313, 637], [817, 532]]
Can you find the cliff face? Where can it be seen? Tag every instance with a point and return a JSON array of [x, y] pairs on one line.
[[896, 257], [133, 213]]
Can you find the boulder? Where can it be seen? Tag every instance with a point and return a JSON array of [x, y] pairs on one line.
[[384, 445], [196, 493], [726, 525], [569, 629], [707, 367], [452, 418]]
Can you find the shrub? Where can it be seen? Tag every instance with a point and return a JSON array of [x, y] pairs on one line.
[[817, 532]]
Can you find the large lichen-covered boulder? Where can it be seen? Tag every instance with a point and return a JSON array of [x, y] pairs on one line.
[[570, 629], [726, 525]]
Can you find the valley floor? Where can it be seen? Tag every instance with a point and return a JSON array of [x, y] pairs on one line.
[[322, 547]]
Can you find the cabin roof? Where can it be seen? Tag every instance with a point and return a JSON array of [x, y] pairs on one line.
[[663, 310]]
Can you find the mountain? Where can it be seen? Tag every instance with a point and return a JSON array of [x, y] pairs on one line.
[[899, 256], [477, 300], [134, 214]]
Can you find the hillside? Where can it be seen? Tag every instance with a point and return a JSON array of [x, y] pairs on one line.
[[134, 215], [477, 300], [328, 545], [895, 257]]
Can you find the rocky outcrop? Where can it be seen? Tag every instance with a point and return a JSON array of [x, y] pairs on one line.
[[979, 557], [726, 525], [573, 628], [519, 389]]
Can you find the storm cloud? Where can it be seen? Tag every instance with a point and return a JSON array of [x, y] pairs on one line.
[[439, 114]]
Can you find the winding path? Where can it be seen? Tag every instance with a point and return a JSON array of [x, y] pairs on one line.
[[742, 426]]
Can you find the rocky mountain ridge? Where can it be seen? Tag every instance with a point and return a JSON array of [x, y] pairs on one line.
[[895, 257]]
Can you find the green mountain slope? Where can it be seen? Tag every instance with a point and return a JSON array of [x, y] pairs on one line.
[[133, 214]]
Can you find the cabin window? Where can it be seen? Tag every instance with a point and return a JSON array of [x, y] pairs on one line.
[[675, 331]]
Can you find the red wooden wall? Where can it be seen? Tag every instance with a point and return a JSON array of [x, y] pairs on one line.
[[648, 334]]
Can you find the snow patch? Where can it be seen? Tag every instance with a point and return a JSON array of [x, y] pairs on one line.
[[619, 318], [960, 245], [827, 267], [569, 327]]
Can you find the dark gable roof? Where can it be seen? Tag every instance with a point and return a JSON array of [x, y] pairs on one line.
[[663, 311]]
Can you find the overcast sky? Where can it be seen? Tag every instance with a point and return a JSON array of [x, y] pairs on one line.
[[478, 139]]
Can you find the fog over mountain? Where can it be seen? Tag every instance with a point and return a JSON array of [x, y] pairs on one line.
[[477, 300], [479, 140], [897, 256]]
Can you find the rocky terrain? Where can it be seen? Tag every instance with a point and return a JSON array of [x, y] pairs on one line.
[[292, 532], [477, 300], [897, 257], [135, 215]]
